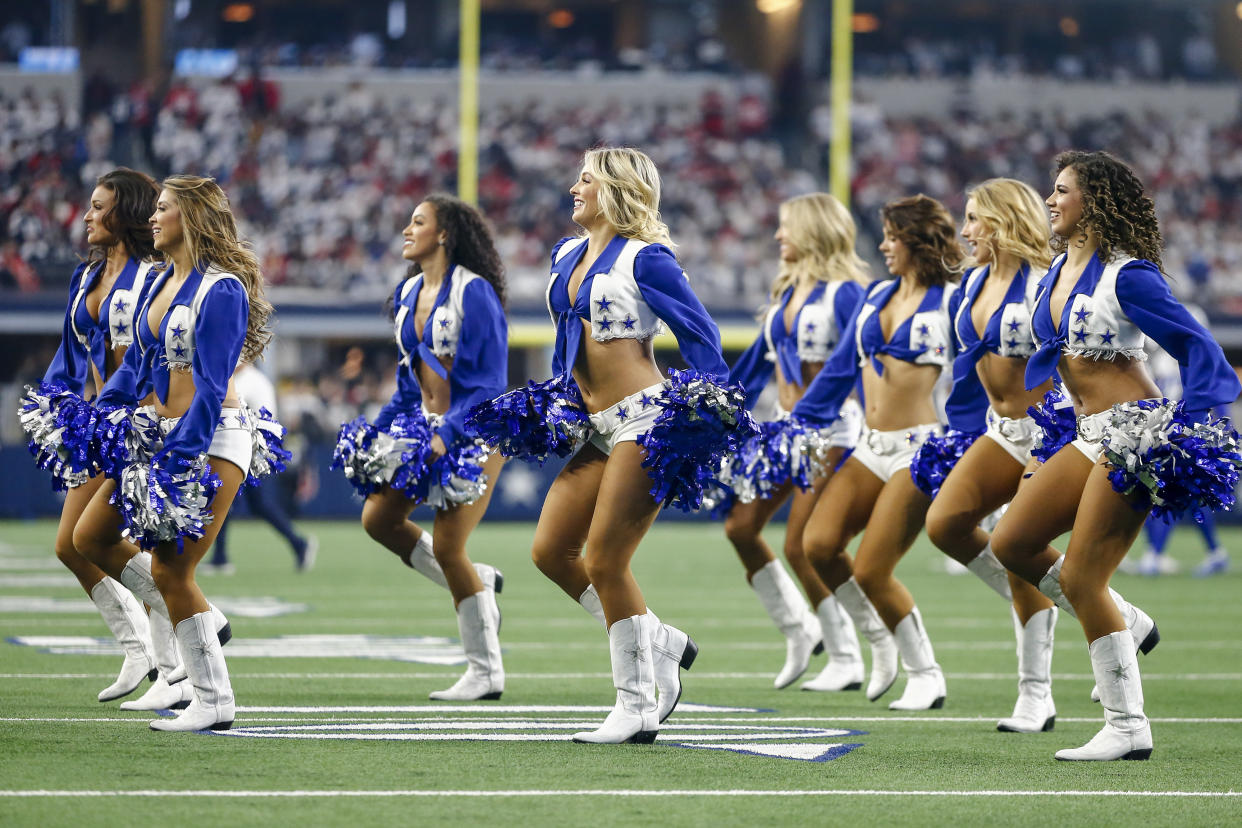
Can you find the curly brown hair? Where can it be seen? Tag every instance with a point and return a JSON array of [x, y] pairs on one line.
[[925, 227], [129, 219], [467, 241], [1114, 206]]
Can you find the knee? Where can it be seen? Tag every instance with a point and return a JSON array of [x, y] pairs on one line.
[[820, 545], [600, 569], [84, 543], [739, 531], [869, 578], [378, 524], [1007, 545], [167, 579], [66, 552], [947, 527], [548, 560]]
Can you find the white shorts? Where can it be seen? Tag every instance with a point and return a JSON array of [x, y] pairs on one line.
[[885, 453], [625, 421], [232, 441], [1016, 436], [844, 432]]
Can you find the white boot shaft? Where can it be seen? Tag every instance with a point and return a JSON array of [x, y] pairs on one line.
[[1126, 733], [127, 621], [478, 621], [589, 601], [845, 663], [988, 569], [633, 718], [137, 578], [883, 648], [212, 707], [788, 610], [925, 687], [671, 652], [1034, 711]]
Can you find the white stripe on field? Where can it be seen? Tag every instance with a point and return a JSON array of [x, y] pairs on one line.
[[607, 792], [485, 711], [568, 676]]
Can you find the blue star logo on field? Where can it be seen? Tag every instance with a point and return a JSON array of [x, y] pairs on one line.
[[178, 331], [1106, 338], [120, 305], [604, 303], [1081, 315]]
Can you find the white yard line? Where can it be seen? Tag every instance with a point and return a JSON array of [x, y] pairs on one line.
[[297, 794]]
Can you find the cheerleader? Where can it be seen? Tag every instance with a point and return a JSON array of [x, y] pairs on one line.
[[99, 326], [814, 296], [452, 338], [900, 342], [1132, 450], [1006, 230], [185, 452], [648, 442]]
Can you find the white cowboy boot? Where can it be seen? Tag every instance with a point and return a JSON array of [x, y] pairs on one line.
[[991, 572], [477, 620], [212, 707], [589, 601], [883, 648], [172, 690], [128, 622], [845, 664], [671, 652], [633, 718], [1126, 733], [137, 578], [1142, 628], [422, 559], [788, 610], [1034, 711], [925, 688]]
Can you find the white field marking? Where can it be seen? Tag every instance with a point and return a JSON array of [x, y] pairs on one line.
[[442, 651], [439, 794], [43, 579], [20, 564], [298, 719], [685, 707], [234, 673], [258, 607]]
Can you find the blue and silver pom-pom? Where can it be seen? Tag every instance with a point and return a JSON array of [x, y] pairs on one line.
[[535, 422], [125, 436], [1160, 455], [59, 423], [701, 422], [937, 457], [395, 456], [157, 506], [718, 497], [782, 451], [1058, 425], [269, 455], [456, 478]]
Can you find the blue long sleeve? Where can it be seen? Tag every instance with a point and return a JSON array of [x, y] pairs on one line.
[[665, 288], [1208, 380], [219, 334], [821, 404], [70, 366], [408, 397], [481, 365], [753, 370], [967, 405], [122, 388]]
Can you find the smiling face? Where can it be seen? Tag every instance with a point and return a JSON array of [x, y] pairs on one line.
[[103, 199], [977, 234], [586, 200], [421, 238], [166, 229], [789, 251], [1065, 206], [895, 252]]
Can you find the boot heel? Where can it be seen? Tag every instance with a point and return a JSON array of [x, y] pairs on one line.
[[819, 648], [1048, 725], [1149, 644], [153, 674], [225, 633], [853, 685], [938, 704], [490, 696], [221, 725], [647, 737], [500, 582], [689, 654], [1141, 753]]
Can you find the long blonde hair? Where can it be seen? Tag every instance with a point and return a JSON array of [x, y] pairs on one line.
[[1015, 216], [211, 239], [822, 231], [629, 193]]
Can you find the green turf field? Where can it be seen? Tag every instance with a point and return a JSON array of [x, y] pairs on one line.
[[326, 737]]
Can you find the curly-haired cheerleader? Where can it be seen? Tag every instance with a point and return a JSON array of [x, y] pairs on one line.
[[99, 326], [815, 294], [648, 441], [1133, 449], [181, 456], [453, 342]]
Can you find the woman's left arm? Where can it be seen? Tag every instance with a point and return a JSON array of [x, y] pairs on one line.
[[481, 366], [219, 334], [666, 289]]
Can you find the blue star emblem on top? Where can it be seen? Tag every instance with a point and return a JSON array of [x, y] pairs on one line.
[[179, 351], [646, 399], [1081, 315], [120, 305], [444, 323], [1015, 325], [604, 303], [121, 327], [1012, 343], [924, 330], [622, 414], [178, 331], [1106, 338], [445, 342], [1080, 335], [911, 437], [605, 324], [810, 327], [629, 322]]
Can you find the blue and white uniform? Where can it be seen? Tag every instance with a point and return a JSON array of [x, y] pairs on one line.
[[924, 338], [467, 325], [84, 341], [1112, 308], [631, 291], [1007, 334]]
